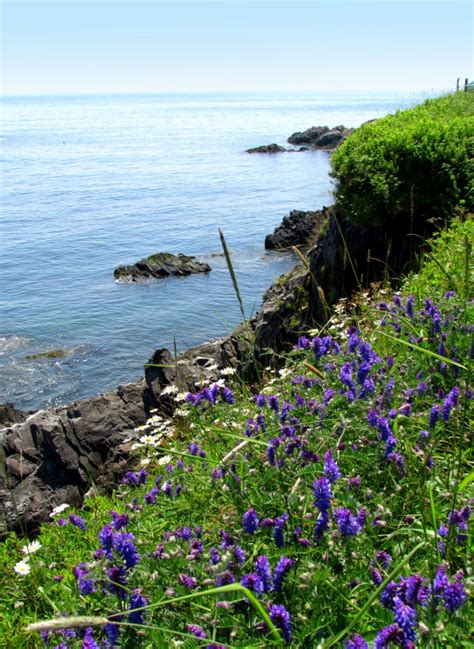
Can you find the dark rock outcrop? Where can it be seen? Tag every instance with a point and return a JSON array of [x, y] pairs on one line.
[[348, 256], [267, 148], [159, 266], [11, 415], [321, 137], [297, 229], [52, 456]]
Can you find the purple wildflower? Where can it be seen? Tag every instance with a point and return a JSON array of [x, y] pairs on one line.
[[331, 470], [85, 585], [278, 535], [112, 631], [273, 403], [117, 580], [250, 521], [406, 618], [323, 494], [123, 545], [383, 558], [187, 581], [196, 630], [263, 570], [346, 521], [240, 555], [281, 619], [119, 520], [281, 569], [434, 414], [137, 601], [454, 596], [260, 400], [391, 633], [356, 641], [228, 395], [449, 403], [410, 303], [253, 582], [88, 641], [77, 521]]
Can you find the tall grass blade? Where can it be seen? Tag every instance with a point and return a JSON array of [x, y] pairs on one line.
[[232, 273]]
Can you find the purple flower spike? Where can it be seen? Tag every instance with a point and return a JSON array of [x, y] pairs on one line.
[[88, 641], [406, 618], [281, 569], [250, 521], [390, 633], [281, 619], [196, 630], [77, 521], [346, 521], [356, 642], [454, 596], [137, 600], [449, 403], [263, 570], [331, 470], [323, 494], [253, 582]]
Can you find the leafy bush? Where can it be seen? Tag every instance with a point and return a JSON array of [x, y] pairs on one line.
[[414, 165]]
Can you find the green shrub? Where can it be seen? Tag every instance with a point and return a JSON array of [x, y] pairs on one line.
[[411, 166]]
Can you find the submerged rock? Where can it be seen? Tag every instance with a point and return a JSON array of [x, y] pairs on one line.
[[298, 229], [160, 266], [267, 148], [321, 137]]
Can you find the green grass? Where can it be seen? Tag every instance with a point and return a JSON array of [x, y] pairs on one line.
[[229, 458]]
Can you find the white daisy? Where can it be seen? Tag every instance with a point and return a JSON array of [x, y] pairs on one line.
[[34, 546], [22, 568], [227, 371], [170, 389]]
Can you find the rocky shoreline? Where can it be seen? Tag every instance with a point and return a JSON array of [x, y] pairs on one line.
[[54, 456]]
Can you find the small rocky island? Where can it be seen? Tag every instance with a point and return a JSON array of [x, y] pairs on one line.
[[160, 266], [313, 139]]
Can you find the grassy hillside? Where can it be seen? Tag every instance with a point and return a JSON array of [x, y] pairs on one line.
[[330, 509], [412, 166]]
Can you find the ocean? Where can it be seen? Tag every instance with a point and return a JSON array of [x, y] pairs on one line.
[[92, 182]]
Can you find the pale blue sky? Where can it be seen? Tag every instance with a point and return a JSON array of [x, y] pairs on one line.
[[113, 46]]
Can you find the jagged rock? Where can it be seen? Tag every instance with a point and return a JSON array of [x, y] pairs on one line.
[[321, 137], [267, 148], [11, 415], [159, 266], [53, 455], [297, 229], [280, 320]]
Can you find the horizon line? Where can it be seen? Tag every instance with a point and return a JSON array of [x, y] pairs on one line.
[[221, 92]]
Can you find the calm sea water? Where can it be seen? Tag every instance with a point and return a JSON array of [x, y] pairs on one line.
[[91, 182]]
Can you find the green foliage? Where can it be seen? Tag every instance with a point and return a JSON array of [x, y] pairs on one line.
[[414, 165], [266, 455]]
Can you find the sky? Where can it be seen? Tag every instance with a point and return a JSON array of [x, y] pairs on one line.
[[125, 46]]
